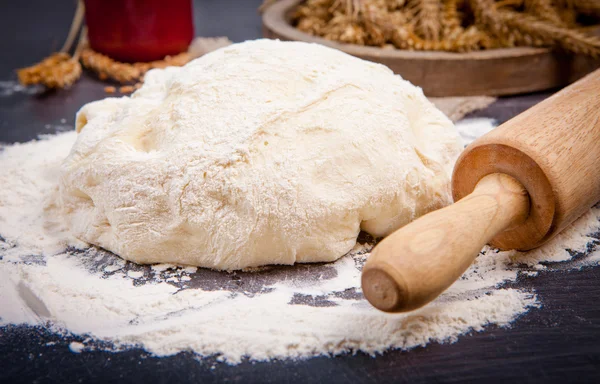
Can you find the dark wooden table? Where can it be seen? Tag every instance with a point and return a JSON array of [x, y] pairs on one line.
[[558, 343]]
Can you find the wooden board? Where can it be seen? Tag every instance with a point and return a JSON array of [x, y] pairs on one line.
[[494, 72]]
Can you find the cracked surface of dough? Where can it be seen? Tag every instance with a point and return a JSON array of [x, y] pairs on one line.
[[263, 152]]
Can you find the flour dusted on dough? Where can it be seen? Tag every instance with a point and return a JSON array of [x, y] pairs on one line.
[[264, 152]]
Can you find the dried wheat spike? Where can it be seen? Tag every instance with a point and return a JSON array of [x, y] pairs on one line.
[[33, 74], [64, 75], [467, 40], [487, 18], [349, 8], [342, 28], [394, 5], [379, 22], [544, 10], [509, 4], [109, 68], [514, 28], [59, 70], [544, 33], [451, 19], [313, 16], [376, 35], [426, 16], [528, 30], [586, 7], [403, 37], [568, 17], [125, 73], [442, 24]]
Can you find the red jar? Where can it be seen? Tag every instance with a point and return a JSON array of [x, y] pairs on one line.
[[139, 30]]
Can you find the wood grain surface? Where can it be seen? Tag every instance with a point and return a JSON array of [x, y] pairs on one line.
[[494, 72]]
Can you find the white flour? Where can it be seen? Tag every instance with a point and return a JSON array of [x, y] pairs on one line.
[[9, 88], [280, 312], [472, 128]]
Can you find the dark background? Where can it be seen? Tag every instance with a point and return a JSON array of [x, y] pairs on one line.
[[558, 343]]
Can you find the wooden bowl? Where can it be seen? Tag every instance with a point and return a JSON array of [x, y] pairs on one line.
[[494, 72]]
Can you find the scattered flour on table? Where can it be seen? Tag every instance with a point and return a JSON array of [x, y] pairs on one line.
[[9, 88], [471, 128], [48, 278]]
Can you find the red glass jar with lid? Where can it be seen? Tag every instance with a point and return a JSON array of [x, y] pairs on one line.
[[139, 30]]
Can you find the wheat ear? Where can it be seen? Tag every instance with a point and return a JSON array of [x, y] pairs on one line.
[[544, 10], [426, 17]]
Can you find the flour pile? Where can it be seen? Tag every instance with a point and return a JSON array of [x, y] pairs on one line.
[[48, 278]]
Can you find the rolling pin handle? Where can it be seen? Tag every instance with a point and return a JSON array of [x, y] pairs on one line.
[[419, 261]]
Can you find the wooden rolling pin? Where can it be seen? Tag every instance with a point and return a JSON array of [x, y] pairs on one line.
[[515, 188]]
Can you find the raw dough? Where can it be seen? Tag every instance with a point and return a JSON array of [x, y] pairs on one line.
[[264, 152]]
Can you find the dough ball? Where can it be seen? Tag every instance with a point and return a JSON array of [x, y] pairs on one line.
[[264, 152]]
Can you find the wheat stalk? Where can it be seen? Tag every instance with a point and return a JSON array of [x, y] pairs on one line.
[[426, 17], [586, 7], [449, 25], [124, 73], [59, 70], [451, 19], [544, 10], [75, 26], [523, 29], [569, 40]]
